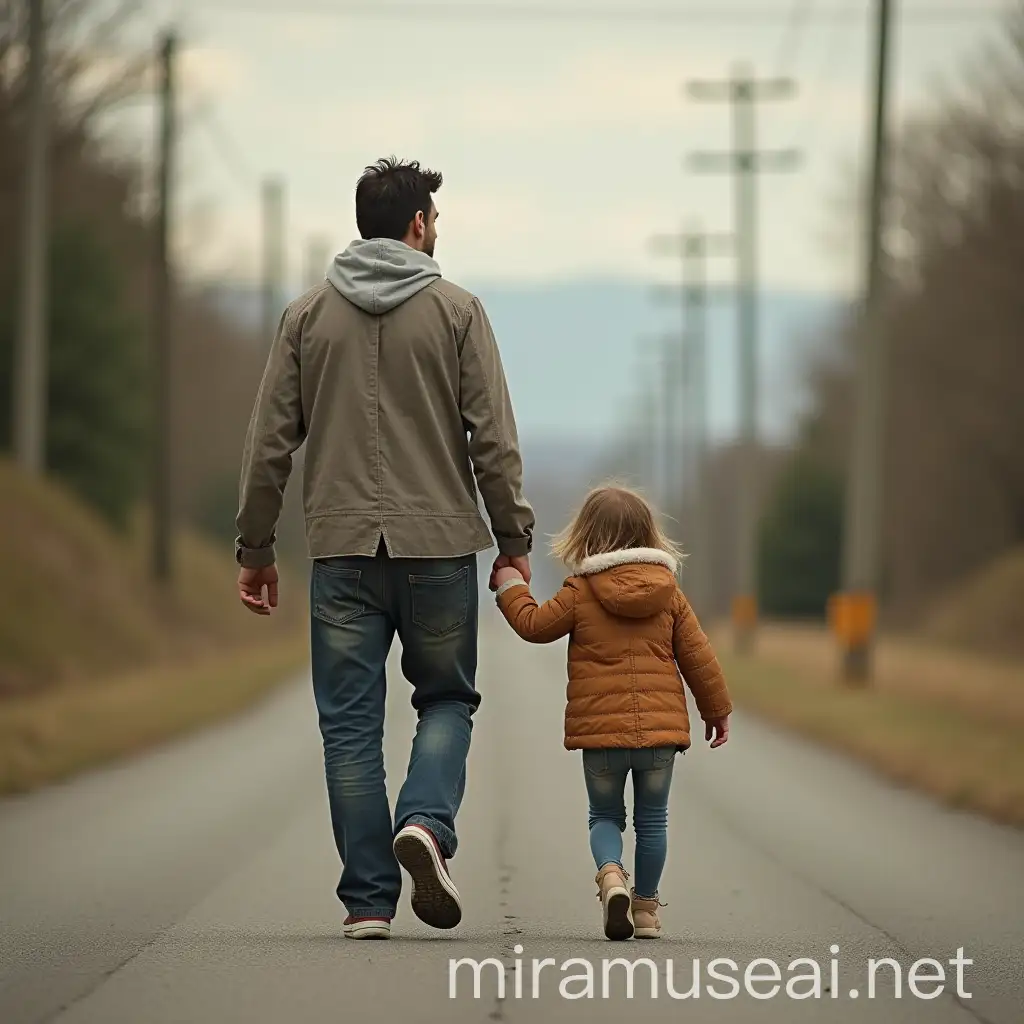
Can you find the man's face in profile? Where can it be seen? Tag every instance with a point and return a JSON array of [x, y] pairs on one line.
[[430, 231]]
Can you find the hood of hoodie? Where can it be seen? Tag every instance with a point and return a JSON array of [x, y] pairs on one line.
[[378, 274], [635, 583]]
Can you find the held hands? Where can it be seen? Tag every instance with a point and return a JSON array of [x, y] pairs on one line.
[[502, 576], [520, 563], [719, 727], [250, 589]]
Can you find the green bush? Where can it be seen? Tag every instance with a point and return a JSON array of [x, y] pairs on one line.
[[800, 543], [96, 436]]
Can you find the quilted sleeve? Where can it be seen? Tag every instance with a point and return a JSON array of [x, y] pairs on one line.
[[699, 664]]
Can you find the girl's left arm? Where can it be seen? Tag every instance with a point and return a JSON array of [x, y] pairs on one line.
[[539, 624]]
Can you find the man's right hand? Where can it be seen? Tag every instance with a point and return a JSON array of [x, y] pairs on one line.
[[521, 564], [250, 589]]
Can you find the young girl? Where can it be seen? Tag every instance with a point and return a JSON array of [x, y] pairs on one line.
[[631, 631]]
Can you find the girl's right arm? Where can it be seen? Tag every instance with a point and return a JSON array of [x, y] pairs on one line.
[[539, 624], [699, 665]]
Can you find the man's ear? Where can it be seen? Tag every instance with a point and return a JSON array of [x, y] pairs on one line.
[[419, 224]]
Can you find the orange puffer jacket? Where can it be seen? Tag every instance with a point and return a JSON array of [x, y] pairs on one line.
[[631, 631]]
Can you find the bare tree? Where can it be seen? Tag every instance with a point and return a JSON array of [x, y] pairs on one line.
[[954, 493]]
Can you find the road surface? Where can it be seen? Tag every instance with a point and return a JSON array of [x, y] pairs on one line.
[[195, 884]]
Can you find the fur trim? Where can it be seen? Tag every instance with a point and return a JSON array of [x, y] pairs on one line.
[[508, 585], [626, 556]]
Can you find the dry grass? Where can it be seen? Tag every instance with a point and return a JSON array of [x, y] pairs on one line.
[[984, 612], [96, 661], [50, 735], [984, 689], [77, 605], [948, 723]]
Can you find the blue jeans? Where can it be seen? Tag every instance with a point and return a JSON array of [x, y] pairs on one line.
[[357, 605], [605, 772]]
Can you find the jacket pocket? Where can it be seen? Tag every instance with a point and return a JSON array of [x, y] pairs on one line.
[[336, 594], [440, 604]]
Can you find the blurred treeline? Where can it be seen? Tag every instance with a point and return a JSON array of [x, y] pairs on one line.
[[954, 331], [953, 326], [101, 258]]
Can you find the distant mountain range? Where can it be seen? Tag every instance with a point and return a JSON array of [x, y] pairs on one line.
[[572, 353]]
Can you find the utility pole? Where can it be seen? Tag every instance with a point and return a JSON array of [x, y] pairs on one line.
[[694, 246], [675, 461], [642, 428], [163, 312], [31, 364], [317, 257], [854, 611], [664, 414], [745, 162], [273, 255]]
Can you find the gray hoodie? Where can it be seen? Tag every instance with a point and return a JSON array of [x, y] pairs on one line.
[[394, 433], [378, 274]]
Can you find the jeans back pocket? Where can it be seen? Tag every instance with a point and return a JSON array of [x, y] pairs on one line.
[[440, 604], [595, 762], [336, 594]]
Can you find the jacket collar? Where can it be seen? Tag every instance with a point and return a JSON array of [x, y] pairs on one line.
[[626, 556]]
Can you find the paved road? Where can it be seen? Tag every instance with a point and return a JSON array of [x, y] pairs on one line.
[[195, 885]]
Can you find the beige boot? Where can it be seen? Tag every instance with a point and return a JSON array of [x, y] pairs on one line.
[[645, 916], [614, 897]]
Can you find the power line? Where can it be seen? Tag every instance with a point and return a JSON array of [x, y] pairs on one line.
[[805, 135], [792, 36], [226, 145], [575, 14], [807, 131]]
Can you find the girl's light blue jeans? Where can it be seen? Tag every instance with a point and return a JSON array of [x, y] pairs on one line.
[[605, 772]]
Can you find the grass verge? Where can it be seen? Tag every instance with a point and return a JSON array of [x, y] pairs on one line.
[[51, 735], [964, 755]]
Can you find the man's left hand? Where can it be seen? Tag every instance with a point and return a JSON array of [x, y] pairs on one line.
[[501, 562], [250, 589], [521, 564]]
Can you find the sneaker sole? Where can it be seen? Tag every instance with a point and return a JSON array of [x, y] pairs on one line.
[[435, 900], [617, 923], [367, 931], [647, 933]]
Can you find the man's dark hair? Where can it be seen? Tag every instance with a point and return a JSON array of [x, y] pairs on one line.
[[390, 194]]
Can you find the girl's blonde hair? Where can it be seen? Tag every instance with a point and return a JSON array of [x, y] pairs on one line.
[[612, 517]]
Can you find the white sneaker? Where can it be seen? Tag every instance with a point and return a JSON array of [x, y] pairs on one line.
[[435, 900], [367, 928]]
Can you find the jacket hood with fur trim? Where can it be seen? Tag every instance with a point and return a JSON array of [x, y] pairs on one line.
[[634, 583]]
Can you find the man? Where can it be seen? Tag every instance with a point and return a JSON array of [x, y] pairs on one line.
[[392, 379]]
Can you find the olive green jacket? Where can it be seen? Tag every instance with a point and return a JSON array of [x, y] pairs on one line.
[[392, 379]]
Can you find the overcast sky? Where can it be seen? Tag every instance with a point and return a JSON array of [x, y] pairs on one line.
[[561, 142]]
